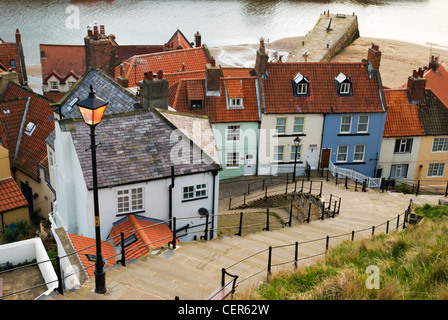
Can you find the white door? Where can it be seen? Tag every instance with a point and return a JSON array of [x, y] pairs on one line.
[[312, 157], [249, 164]]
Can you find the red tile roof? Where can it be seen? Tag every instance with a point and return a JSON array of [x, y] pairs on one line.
[[438, 82], [11, 197], [149, 234], [84, 246], [32, 149], [215, 107], [402, 118], [179, 41], [9, 51], [323, 98], [62, 60], [171, 61]]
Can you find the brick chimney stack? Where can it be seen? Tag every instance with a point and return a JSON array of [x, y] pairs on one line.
[[100, 52], [374, 57], [261, 61], [434, 64], [417, 85], [198, 40], [213, 76], [18, 37], [154, 91], [122, 78]]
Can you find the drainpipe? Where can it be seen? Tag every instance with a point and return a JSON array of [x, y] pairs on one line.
[[215, 174], [170, 188]]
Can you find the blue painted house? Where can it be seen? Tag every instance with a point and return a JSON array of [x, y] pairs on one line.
[[341, 107]]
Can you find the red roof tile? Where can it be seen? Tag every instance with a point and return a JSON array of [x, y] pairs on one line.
[[171, 61], [438, 82], [179, 41], [11, 197], [62, 59], [33, 148], [215, 107], [149, 234], [402, 118], [9, 51], [323, 98], [85, 246]]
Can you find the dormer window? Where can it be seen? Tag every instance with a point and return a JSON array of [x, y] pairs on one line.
[[195, 104], [300, 85], [236, 103], [343, 85]]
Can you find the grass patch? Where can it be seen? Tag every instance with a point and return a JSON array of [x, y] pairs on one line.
[[411, 264]]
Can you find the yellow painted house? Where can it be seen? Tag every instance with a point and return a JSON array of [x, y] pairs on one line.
[[13, 205]]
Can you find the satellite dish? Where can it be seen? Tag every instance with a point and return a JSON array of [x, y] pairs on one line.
[[203, 212]]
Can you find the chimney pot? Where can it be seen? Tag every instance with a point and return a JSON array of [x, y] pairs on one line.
[[102, 31], [96, 34], [212, 62]]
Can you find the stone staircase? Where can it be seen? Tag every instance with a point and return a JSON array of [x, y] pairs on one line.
[[193, 270]]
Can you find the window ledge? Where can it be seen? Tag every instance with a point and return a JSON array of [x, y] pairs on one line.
[[354, 134], [128, 213], [194, 199]]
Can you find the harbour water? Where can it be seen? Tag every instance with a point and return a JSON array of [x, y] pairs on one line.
[[221, 22]]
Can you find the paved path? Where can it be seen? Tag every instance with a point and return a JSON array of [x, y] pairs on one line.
[[193, 270]]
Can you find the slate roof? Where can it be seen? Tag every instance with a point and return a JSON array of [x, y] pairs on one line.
[[135, 147], [427, 118], [119, 99], [149, 234], [196, 128], [87, 246], [216, 107], [323, 96], [25, 106], [11, 197]]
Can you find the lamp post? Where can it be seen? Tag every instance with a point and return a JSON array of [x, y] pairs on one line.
[[296, 143], [92, 110]]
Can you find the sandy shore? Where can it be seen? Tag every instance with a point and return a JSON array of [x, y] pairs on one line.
[[398, 58], [397, 62]]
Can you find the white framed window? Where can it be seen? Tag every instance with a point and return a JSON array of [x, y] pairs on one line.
[[363, 124], [278, 153], [293, 153], [302, 88], [50, 158], [54, 85], [344, 88], [233, 160], [440, 145], [130, 200], [436, 169], [341, 156], [197, 191], [281, 125], [71, 84], [298, 124], [233, 133], [358, 155], [399, 171], [236, 103], [346, 124], [403, 146]]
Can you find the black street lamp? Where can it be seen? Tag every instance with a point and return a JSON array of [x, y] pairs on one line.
[[296, 143], [92, 110]]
